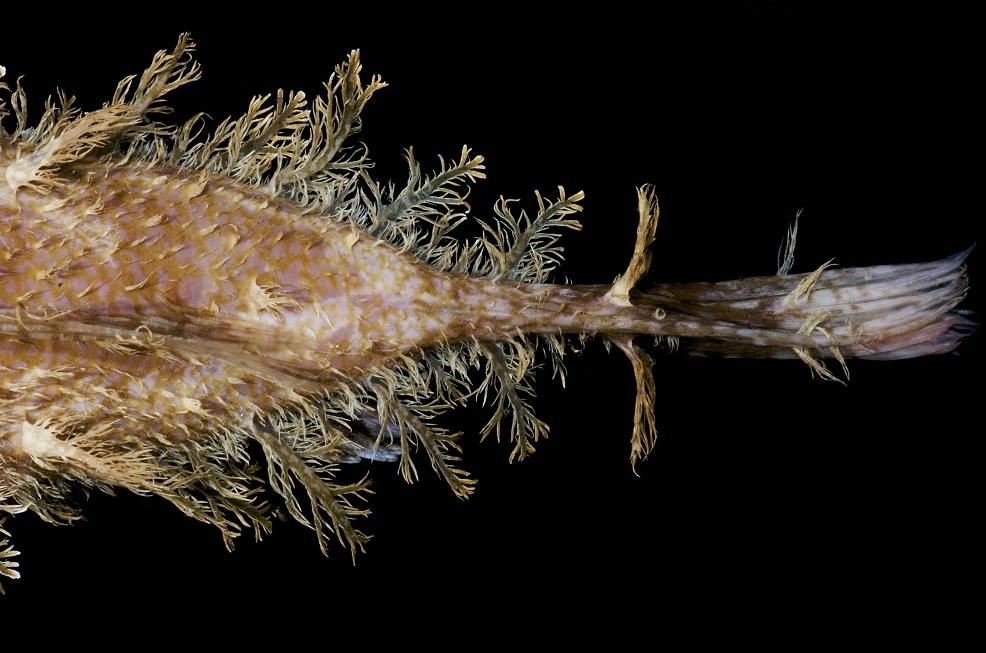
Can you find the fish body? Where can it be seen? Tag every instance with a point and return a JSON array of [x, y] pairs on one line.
[[169, 302]]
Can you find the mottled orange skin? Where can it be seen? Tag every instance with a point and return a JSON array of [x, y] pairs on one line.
[[193, 255]]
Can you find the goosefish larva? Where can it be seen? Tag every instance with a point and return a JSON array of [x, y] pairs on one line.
[[168, 299]]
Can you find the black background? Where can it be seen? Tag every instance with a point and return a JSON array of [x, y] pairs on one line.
[[770, 493]]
